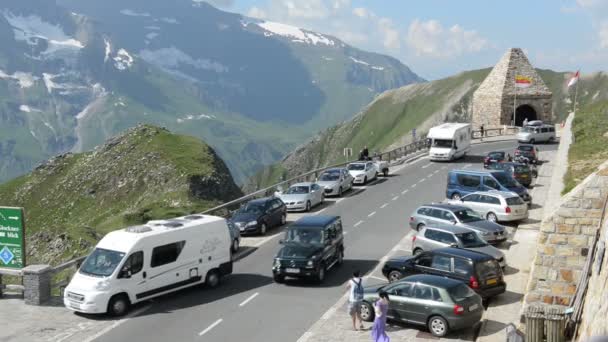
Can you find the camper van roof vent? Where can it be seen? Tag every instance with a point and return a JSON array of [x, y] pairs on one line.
[[173, 224], [194, 217], [138, 229]]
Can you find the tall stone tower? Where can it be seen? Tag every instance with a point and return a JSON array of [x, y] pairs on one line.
[[499, 102]]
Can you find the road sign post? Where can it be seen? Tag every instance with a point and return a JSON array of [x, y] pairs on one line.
[[12, 237], [414, 135]]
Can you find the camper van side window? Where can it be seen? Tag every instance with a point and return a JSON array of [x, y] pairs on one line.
[[166, 254]]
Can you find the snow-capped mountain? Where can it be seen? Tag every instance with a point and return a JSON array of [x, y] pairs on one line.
[[75, 72]]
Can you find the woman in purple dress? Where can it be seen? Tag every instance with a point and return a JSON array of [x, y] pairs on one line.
[[379, 328]]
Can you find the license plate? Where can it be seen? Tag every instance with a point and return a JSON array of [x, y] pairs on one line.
[[292, 270], [491, 281], [473, 307], [75, 306], [524, 176]]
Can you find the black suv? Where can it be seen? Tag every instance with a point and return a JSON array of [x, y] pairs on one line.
[[478, 270], [312, 245], [257, 215]]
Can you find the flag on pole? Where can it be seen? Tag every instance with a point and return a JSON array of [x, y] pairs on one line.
[[574, 79], [522, 81]]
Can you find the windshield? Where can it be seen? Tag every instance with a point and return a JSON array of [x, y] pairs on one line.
[[526, 148], [310, 235], [442, 143], [515, 201], [460, 292], [250, 208], [488, 268], [467, 215], [505, 180], [356, 167], [330, 176], [471, 240], [522, 168], [527, 129], [496, 155], [102, 262], [295, 190]]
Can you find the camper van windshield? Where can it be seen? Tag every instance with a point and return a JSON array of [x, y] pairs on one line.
[[527, 129], [102, 262], [442, 143]]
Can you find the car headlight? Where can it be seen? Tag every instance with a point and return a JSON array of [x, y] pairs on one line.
[[486, 233], [300, 202], [252, 223], [328, 187], [277, 263]]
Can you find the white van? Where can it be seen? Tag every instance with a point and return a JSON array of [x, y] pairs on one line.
[[533, 134], [449, 141], [141, 262]]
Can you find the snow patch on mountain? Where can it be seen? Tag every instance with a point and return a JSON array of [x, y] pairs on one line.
[[151, 35], [301, 36], [169, 20], [108, 50], [153, 28], [28, 109], [358, 61], [132, 13], [25, 79], [171, 58], [195, 117], [123, 60]]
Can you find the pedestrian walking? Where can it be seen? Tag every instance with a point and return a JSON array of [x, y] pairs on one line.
[[525, 122], [361, 156], [482, 132], [509, 158], [379, 328], [355, 298]]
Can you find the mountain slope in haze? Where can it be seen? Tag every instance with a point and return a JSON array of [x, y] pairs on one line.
[[74, 74], [146, 173], [388, 121]]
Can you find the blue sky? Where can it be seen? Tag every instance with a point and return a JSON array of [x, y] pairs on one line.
[[439, 38]]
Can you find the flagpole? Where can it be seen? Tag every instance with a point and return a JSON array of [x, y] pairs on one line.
[[575, 95]]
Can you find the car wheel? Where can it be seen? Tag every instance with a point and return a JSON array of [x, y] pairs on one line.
[[394, 275], [455, 196], [532, 141], [263, 229], [551, 140], [212, 279], [385, 173], [119, 305], [417, 251], [307, 206], [279, 278], [321, 274], [492, 217], [438, 326], [367, 312], [340, 192], [420, 226], [365, 180], [283, 219], [235, 245], [340, 257]]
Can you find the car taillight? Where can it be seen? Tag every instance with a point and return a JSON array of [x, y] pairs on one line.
[[508, 210], [411, 218], [473, 283], [458, 310]]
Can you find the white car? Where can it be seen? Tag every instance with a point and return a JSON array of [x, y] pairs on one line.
[[363, 172], [302, 196], [495, 206]]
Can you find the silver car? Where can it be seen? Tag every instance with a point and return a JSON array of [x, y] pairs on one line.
[[335, 181], [434, 214], [495, 206], [440, 236], [302, 196]]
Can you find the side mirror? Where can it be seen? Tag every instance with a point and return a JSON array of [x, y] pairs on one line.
[[453, 221], [454, 245], [125, 274]]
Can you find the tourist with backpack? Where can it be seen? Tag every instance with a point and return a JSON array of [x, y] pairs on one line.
[[355, 298]]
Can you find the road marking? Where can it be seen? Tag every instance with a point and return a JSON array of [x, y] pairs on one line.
[[413, 185], [371, 214], [427, 165], [266, 240], [377, 278], [404, 191], [249, 299], [358, 223], [210, 327], [422, 180], [467, 166], [345, 233], [444, 167], [320, 211], [396, 197], [117, 323], [436, 171], [383, 206]]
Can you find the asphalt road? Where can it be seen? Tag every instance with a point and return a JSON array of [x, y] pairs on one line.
[[249, 306]]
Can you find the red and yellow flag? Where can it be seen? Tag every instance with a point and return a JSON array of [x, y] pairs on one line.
[[522, 81]]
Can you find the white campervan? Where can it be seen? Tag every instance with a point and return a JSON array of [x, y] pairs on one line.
[[141, 262], [449, 141]]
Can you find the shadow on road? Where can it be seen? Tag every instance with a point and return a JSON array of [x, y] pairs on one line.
[[492, 327], [508, 297], [510, 270], [336, 276]]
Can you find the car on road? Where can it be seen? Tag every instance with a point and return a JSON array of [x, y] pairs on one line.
[[302, 196], [494, 157], [363, 172], [528, 151], [438, 303], [335, 181], [442, 213], [521, 172], [495, 206], [464, 182], [258, 215], [312, 246], [440, 236], [535, 134], [480, 271]]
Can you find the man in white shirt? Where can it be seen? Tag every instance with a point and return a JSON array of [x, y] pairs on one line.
[[355, 298]]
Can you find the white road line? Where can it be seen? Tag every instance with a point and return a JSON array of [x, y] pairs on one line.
[[467, 166], [345, 233], [249, 299], [444, 167], [404, 191], [427, 165], [383, 206], [266, 240], [377, 278], [436, 171], [422, 180], [210, 327], [395, 198], [358, 223], [413, 185], [117, 323], [320, 211], [371, 214]]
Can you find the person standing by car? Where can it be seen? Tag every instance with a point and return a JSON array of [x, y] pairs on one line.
[[482, 132], [379, 328], [355, 298], [366, 153], [525, 122]]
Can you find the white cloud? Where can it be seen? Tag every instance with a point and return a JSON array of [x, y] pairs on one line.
[[218, 3], [360, 12], [311, 9], [603, 35], [256, 12], [431, 39], [389, 33], [597, 10]]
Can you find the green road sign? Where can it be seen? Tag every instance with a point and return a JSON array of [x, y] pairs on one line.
[[12, 237]]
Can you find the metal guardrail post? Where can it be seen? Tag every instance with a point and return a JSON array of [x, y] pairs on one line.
[[555, 320], [1, 286], [535, 323]]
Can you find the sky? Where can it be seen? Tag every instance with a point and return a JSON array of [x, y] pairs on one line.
[[440, 38]]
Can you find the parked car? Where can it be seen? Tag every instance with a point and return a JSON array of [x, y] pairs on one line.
[[312, 246], [528, 151], [257, 215], [335, 181], [438, 303], [494, 157], [480, 271], [440, 236], [464, 182], [436, 214], [235, 236], [522, 173], [363, 172], [535, 134], [495, 206], [382, 166], [302, 196]]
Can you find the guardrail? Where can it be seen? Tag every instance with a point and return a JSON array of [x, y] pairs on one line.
[[60, 278]]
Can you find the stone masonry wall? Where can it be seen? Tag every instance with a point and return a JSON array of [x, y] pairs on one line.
[[565, 240]]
